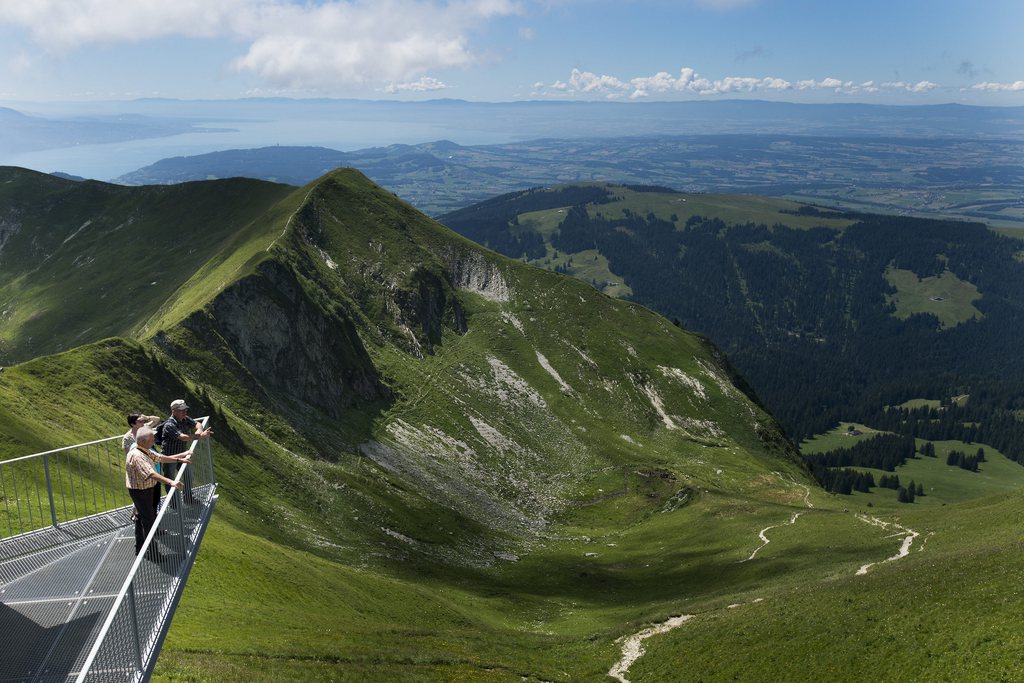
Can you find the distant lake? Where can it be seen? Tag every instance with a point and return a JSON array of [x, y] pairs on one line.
[[109, 161]]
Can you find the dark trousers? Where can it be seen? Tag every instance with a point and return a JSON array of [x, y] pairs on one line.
[[170, 470], [144, 500]]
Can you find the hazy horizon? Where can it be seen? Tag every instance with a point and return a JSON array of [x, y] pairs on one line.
[[97, 140]]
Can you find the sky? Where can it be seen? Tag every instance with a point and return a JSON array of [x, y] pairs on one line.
[[890, 52]]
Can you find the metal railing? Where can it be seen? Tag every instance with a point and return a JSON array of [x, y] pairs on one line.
[[47, 489], [130, 639]]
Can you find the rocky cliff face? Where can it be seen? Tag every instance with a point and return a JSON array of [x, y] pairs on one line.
[[292, 344], [472, 271], [422, 308]]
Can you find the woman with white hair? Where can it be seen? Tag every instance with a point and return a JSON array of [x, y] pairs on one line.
[[143, 481]]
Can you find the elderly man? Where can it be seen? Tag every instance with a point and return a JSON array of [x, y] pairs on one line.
[[137, 421], [143, 481], [178, 431]]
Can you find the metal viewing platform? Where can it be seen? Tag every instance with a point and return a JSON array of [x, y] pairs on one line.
[[76, 604]]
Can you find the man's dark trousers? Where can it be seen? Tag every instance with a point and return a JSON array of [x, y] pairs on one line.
[[143, 500], [170, 471]]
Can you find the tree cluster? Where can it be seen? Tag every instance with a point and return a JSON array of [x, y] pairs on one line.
[[889, 481], [909, 493], [964, 461], [844, 481], [882, 452]]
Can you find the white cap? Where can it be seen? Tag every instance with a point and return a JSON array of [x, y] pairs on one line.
[[179, 404]]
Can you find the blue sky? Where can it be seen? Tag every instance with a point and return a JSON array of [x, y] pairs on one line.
[[897, 51]]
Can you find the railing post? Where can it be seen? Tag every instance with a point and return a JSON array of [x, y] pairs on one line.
[[7, 503], [135, 626], [181, 519], [209, 459], [49, 490]]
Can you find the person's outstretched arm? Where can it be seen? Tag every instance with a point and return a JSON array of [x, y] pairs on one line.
[[200, 432], [159, 457]]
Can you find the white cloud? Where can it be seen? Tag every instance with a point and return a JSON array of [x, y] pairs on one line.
[[326, 45], [988, 86], [58, 25], [689, 81], [584, 81], [527, 33], [920, 86], [424, 84]]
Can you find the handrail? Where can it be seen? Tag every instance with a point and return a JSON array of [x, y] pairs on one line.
[[66, 484], [60, 450], [134, 570]]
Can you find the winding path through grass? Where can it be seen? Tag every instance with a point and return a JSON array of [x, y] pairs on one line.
[[904, 550], [632, 646], [764, 539], [633, 649]]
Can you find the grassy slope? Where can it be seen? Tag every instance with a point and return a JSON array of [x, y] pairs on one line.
[[838, 438], [946, 612], [946, 296], [299, 578], [86, 260], [554, 614], [921, 403], [730, 208]]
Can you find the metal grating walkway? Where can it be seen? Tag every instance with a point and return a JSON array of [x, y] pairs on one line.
[[54, 601], [76, 604]]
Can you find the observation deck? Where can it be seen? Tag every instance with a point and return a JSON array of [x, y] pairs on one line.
[[76, 604]]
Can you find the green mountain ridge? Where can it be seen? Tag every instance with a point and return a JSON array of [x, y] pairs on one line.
[[831, 315], [84, 261], [437, 463]]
